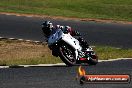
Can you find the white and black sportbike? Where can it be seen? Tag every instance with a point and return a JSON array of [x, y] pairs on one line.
[[69, 49]]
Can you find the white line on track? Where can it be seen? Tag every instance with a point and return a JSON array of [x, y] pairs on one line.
[[58, 64], [28, 40], [12, 39], [21, 39], [115, 59]]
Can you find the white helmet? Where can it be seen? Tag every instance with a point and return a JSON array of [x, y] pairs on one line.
[[47, 24], [47, 28]]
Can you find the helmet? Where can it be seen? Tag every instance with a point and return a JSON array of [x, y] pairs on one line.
[[47, 27], [47, 24]]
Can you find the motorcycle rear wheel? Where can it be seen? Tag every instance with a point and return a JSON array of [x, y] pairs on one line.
[[93, 58], [93, 61]]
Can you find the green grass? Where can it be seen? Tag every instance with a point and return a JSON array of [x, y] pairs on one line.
[[108, 52], [19, 52], [100, 9]]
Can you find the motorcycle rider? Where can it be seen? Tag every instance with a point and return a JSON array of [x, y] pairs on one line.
[[48, 29]]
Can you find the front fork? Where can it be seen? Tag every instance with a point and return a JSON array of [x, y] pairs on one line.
[[79, 54], [76, 54]]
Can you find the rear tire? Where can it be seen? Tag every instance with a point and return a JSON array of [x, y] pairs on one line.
[[93, 61]]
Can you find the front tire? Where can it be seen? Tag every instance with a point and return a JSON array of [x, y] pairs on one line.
[[67, 55]]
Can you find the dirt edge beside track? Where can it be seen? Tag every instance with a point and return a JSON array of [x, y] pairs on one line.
[[69, 18]]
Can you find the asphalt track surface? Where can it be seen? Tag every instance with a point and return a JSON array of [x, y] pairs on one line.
[[62, 76], [112, 34]]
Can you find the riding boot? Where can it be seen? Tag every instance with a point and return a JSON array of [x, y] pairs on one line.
[[83, 43]]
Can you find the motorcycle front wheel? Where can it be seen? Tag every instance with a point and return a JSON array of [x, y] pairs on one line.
[[67, 55]]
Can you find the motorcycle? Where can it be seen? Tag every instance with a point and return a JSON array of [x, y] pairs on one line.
[[69, 49]]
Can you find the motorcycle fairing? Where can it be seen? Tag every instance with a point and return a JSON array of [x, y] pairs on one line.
[[55, 37], [71, 41]]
